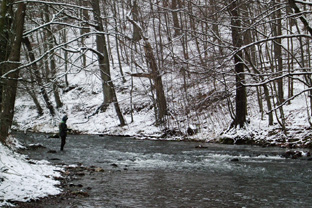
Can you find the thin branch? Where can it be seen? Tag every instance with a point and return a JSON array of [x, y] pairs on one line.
[[289, 99], [304, 2], [275, 78], [53, 23], [4, 76], [55, 3]]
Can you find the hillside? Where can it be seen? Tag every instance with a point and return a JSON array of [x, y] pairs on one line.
[[195, 60], [84, 96]]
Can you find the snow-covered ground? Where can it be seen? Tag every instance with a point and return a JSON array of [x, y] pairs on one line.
[[85, 97], [22, 179]]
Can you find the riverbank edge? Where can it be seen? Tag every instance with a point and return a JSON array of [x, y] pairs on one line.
[[69, 193], [276, 137]]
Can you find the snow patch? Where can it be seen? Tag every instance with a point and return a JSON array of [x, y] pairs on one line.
[[22, 181]]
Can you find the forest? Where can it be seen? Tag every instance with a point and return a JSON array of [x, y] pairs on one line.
[[193, 65]]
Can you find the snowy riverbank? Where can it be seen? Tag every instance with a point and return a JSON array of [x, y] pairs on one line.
[[22, 179]]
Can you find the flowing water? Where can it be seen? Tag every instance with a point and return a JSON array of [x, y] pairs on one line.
[[142, 173]]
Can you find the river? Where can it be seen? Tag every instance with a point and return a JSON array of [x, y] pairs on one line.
[[143, 173]]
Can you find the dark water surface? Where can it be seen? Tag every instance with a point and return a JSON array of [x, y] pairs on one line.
[[176, 174]]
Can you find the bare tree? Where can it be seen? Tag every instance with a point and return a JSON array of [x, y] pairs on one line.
[[241, 97], [10, 75], [103, 60], [38, 77], [155, 75], [51, 39], [5, 23]]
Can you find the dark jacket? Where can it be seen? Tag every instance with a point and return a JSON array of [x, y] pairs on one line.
[[63, 127]]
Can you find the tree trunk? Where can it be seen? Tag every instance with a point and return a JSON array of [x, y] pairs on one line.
[[156, 77], [117, 45], [277, 31], [38, 76], [307, 26], [241, 98], [175, 18], [136, 36], [64, 37], [33, 95], [5, 23], [10, 84], [292, 4], [50, 39], [160, 95], [103, 60], [85, 16]]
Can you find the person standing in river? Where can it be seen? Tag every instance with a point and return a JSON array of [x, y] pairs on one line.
[[63, 131]]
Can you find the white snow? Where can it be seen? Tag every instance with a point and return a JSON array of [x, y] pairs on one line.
[[22, 179]]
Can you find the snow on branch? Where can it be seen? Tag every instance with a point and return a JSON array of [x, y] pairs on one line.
[[53, 23], [303, 2], [275, 38], [55, 3], [289, 99], [275, 77], [293, 5], [60, 46], [137, 25], [93, 51]]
